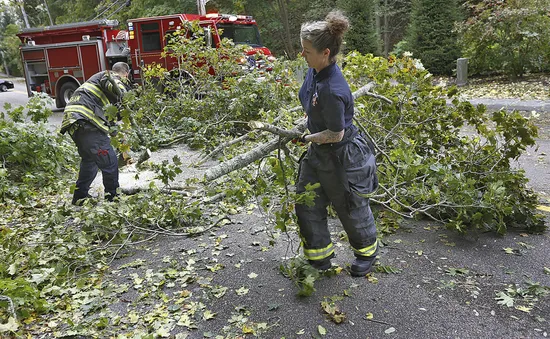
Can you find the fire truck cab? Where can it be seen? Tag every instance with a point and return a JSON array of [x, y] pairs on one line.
[[147, 37], [57, 59]]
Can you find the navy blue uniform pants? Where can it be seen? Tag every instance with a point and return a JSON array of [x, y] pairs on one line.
[[346, 171], [96, 152]]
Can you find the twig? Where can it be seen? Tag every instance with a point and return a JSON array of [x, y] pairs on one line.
[[214, 198], [174, 140], [120, 247], [379, 321]]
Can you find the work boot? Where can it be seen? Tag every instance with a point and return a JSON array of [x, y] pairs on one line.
[[321, 265], [110, 196], [80, 201], [361, 266]]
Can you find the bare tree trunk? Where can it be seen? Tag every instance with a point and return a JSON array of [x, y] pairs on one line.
[[283, 14], [201, 7], [386, 30], [7, 70]]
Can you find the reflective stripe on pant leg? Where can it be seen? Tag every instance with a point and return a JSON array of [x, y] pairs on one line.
[[319, 254], [367, 251], [312, 220]]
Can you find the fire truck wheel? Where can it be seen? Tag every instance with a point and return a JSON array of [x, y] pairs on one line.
[[65, 93], [3, 88]]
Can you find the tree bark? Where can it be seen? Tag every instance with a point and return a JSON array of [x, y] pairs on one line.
[[244, 159]]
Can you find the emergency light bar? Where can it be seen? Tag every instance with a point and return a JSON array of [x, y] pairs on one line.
[[230, 17]]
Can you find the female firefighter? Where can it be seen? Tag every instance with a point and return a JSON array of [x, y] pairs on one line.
[[339, 158]]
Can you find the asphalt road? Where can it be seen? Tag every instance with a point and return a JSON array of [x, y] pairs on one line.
[[16, 96]]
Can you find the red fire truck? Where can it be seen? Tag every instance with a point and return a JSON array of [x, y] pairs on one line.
[[57, 59]]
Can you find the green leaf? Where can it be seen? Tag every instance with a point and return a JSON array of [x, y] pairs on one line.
[[321, 330], [504, 299]]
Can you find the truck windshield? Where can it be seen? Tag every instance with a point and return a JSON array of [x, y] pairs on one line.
[[241, 34]]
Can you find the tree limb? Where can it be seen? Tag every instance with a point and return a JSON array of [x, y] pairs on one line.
[[262, 150], [274, 129]]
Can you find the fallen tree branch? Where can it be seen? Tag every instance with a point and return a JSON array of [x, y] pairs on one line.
[[174, 140], [260, 151], [274, 129], [221, 147], [243, 160]]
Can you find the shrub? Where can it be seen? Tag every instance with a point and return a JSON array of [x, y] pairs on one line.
[[506, 37]]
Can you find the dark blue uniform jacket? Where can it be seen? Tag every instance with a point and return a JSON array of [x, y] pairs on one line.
[[327, 100]]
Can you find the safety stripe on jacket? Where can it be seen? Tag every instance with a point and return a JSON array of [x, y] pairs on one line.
[[88, 113], [320, 253], [119, 84], [367, 251], [96, 91]]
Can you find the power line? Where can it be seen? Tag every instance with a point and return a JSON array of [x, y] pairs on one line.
[[106, 9], [125, 4]]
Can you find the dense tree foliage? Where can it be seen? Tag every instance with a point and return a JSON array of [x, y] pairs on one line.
[[508, 37], [9, 46], [363, 35], [498, 36], [431, 34]]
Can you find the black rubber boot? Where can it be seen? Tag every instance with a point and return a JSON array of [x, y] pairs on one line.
[[362, 266], [321, 265], [80, 201]]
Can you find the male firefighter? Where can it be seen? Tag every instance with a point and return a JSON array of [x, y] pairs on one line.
[[87, 125]]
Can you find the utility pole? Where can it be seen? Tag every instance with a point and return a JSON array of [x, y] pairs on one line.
[[25, 18], [201, 6], [5, 63], [48, 10]]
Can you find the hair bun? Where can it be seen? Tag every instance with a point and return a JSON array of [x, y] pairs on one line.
[[337, 23]]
